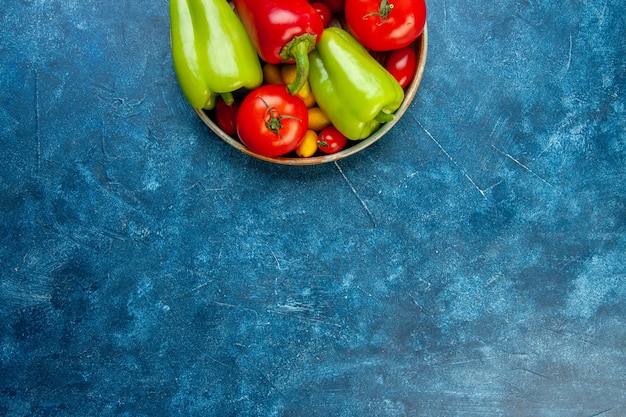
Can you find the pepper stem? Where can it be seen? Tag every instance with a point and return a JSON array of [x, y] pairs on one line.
[[383, 117], [210, 102], [298, 49], [300, 52], [228, 98]]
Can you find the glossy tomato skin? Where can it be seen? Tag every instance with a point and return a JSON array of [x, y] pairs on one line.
[[330, 140], [335, 6], [401, 64], [385, 25], [270, 121], [324, 11], [225, 116]]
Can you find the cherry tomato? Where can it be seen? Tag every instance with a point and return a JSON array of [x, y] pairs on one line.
[[308, 146], [330, 140], [335, 6], [318, 120], [401, 64], [270, 121], [225, 116], [324, 11], [271, 74], [384, 25]]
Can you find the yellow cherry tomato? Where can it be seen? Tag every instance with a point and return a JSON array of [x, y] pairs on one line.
[[272, 75], [288, 73], [308, 146], [318, 120]]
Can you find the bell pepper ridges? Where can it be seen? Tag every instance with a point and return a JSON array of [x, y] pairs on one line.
[[212, 52]]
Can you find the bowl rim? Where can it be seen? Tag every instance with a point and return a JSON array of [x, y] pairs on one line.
[[421, 49]]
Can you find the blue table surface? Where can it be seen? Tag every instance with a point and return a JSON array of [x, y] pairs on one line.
[[469, 263]]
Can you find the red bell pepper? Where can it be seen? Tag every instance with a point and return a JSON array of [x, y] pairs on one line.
[[282, 31]]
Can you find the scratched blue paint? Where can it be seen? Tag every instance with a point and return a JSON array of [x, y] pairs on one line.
[[470, 263]]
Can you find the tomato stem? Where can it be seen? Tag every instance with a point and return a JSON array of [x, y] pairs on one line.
[[384, 9], [273, 117]]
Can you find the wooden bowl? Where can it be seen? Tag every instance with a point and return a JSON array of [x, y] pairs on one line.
[[421, 46]]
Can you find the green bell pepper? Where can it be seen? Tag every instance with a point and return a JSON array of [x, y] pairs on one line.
[[212, 52], [354, 90]]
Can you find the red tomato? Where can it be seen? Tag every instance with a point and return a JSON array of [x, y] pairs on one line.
[[270, 121], [330, 140], [225, 116], [401, 64], [324, 11], [335, 6], [384, 25]]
